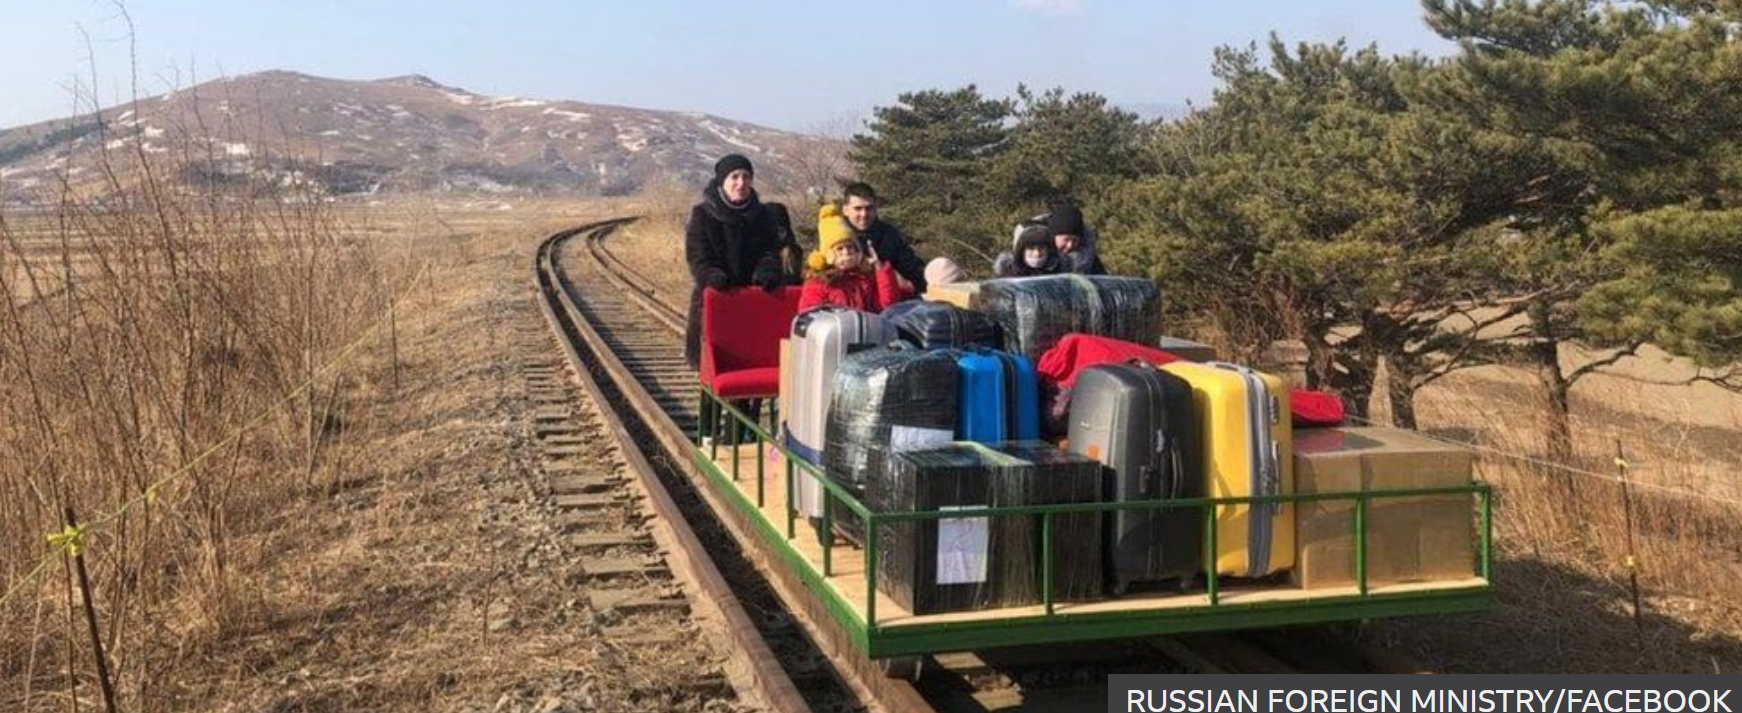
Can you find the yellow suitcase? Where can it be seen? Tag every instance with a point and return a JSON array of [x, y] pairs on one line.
[[1246, 452]]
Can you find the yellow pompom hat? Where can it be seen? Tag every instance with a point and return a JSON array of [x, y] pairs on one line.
[[832, 230]]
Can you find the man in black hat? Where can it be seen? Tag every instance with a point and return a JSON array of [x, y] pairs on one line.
[[1074, 240]]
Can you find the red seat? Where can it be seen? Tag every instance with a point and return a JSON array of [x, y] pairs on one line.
[[741, 333], [747, 383]]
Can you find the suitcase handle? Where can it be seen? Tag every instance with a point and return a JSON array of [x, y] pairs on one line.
[[1179, 470]]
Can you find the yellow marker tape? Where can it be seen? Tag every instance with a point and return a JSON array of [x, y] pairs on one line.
[[71, 539], [1621, 463], [1630, 563]]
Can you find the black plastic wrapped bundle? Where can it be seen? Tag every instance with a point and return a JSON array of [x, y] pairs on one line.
[[1050, 476], [953, 564], [937, 325], [1130, 308], [887, 398], [1034, 313]]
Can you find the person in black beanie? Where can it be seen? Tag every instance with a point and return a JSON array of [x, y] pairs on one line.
[[733, 240], [1074, 241]]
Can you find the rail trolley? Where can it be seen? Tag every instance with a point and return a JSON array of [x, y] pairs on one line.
[[844, 578]]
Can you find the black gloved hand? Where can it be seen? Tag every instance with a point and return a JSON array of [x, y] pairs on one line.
[[715, 279], [769, 279]]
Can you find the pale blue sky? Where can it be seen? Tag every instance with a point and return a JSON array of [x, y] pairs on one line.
[[787, 64]]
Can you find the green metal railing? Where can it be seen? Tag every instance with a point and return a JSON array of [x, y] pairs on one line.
[[867, 628]]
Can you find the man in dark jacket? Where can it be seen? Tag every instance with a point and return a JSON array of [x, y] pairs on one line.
[[879, 239], [733, 240]]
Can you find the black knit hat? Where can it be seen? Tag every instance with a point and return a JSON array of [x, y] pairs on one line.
[[729, 163], [1034, 236], [1065, 220]]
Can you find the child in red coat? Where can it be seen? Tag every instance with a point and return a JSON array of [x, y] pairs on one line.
[[840, 276]]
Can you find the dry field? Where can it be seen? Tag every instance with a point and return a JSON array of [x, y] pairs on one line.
[[396, 559]]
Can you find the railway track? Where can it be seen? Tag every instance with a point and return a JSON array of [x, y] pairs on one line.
[[624, 344]]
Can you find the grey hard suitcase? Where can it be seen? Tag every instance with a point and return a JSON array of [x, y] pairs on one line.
[[1140, 422], [820, 340]]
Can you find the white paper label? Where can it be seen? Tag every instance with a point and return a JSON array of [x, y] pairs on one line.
[[908, 438], [962, 546]]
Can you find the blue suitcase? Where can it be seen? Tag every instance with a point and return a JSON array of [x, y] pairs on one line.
[[1000, 397]]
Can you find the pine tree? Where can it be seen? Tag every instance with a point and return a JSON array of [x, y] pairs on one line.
[[1064, 149], [1314, 201], [1632, 238], [928, 157]]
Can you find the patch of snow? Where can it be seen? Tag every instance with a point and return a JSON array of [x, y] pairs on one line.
[[730, 138], [460, 98], [575, 116], [117, 143], [467, 179], [512, 103], [331, 132], [634, 144], [124, 116], [236, 149], [148, 148], [152, 132]]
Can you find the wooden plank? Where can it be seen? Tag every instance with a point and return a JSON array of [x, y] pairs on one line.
[[574, 484], [586, 501], [617, 566], [600, 540]]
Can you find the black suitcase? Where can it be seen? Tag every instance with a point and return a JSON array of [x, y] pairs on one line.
[[1140, 422], [937, 325]]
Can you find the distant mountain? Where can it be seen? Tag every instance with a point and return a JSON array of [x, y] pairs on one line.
[[403, 134]]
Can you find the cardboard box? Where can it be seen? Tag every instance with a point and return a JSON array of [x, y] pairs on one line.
[[959, 294], [1419, 538]]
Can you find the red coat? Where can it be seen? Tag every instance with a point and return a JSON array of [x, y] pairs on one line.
[[856, 289]]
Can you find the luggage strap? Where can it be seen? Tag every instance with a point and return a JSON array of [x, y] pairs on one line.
[[1007, 364]]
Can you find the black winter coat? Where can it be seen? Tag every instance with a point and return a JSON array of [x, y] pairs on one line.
[[732, 247], [891, 246]]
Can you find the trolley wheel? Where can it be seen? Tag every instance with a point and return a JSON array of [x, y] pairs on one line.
[[902, 667]]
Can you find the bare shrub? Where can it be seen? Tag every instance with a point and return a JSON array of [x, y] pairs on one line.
[[171, 369]]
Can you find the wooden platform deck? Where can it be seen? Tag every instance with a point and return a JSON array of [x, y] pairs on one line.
[[848, 569]]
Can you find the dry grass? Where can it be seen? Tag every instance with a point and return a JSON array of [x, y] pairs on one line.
[[205, 376], [172, 365]]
